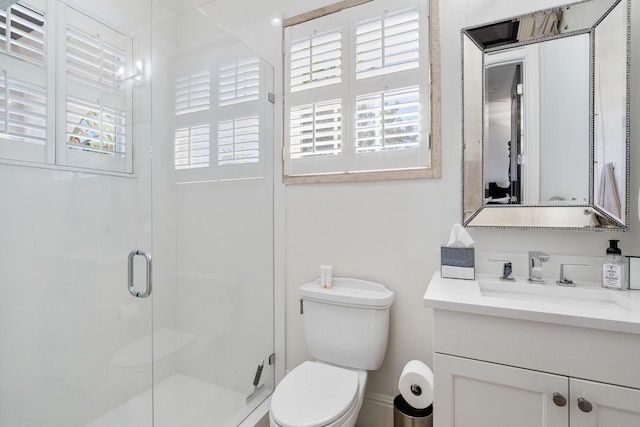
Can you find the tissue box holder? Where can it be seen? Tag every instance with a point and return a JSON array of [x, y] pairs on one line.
[[457, 263]]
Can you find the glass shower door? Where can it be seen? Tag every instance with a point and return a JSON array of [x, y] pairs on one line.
[[75, 184], [213, 222]]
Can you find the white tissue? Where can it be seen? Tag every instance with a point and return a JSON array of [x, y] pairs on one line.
[[416, 384], [459, 237]]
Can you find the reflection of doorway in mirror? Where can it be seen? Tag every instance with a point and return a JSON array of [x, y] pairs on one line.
[[512, 82], [504, 134], [548, 120]]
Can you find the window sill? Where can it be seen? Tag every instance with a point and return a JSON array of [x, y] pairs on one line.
[[382, 175], [63, 168]]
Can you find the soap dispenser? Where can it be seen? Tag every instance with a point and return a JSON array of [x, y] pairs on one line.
[[614, 270]]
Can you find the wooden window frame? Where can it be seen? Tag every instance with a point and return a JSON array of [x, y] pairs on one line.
[[434, 85]]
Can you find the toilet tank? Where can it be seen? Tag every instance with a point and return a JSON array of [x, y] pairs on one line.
[[347, 324]]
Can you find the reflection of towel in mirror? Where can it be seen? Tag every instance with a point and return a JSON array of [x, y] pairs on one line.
[[539, 25], [547, 23], [608, 197], [472, 186]]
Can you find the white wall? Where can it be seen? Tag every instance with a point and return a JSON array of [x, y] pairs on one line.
[[390, 232]]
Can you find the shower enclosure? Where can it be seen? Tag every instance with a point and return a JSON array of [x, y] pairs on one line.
[[136, 223]]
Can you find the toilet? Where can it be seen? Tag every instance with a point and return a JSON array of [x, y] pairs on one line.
[[346, 329]]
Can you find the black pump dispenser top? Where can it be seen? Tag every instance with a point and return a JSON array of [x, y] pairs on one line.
[[613, 247]]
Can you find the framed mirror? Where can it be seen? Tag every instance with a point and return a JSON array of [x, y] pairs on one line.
[[545, 124]]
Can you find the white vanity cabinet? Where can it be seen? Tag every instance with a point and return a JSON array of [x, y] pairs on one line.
[[481, 394], [526, 363]]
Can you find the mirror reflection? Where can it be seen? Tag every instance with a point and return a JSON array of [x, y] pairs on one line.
[[545, 86], [551, 88]]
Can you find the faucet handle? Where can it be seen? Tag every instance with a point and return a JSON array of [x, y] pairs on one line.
[[541, 256], [507, 269], [563, 281]]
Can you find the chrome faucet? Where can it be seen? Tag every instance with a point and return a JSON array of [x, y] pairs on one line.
[[507, 269], [536, 258], [563, 280]]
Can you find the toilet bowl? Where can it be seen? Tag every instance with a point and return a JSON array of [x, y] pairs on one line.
[[346, 329], [316, 394]]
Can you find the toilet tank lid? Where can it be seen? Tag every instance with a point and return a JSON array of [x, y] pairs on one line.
[[346, 291]]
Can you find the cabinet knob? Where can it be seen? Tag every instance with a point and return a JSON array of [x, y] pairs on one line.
[[559, 399], [584, 405]]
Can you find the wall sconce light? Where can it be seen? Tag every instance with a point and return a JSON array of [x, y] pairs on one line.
[[136, 76]]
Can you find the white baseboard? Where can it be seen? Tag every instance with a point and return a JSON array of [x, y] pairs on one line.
[[376, 411]]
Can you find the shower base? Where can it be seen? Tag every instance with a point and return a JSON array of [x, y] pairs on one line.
[[182, 401]]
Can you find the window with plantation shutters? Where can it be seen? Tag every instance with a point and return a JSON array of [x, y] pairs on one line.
[[219, 105], [65, 89], [357, 93]]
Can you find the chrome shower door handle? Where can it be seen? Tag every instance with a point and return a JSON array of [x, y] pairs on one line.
[[130, 284]]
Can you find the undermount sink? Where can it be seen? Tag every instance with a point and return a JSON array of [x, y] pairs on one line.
[[580, 297]]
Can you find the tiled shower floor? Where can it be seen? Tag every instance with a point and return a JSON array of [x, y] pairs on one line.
[[180, 401]]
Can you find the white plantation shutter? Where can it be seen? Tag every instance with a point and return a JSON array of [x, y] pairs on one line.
[[316, 60], [22, 33], [23, 110], [94, 61], [388, 43], [316, 129], [373, 95], [388, 121], [24, 121], [316, 81], [95, 95], [94, 128], [24, 118]]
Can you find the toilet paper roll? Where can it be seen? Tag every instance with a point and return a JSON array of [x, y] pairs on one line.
[[416, 384]]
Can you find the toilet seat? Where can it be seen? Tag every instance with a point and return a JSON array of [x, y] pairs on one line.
[[314, 395]]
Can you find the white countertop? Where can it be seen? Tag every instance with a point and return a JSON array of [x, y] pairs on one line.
[[581, 306]]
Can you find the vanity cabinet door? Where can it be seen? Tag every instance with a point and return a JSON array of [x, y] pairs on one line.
[[481, 394], [603, 405]]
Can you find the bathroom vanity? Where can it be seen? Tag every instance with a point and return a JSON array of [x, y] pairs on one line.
[[518, 354]]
